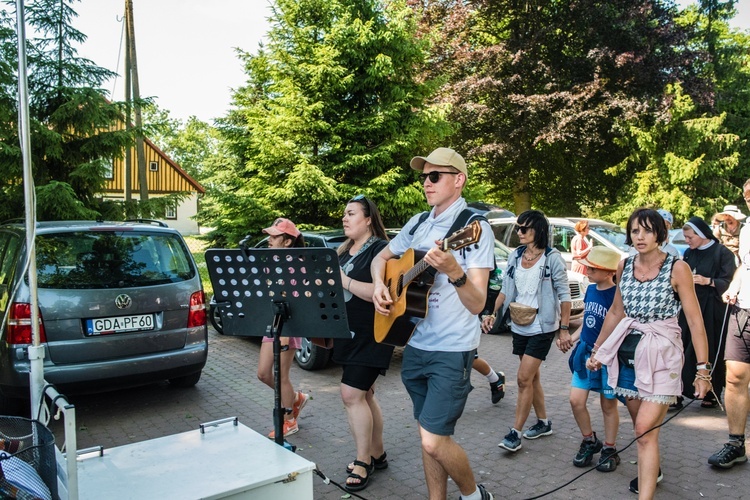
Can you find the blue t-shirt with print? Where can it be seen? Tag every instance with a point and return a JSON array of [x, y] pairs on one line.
[[597, 303]]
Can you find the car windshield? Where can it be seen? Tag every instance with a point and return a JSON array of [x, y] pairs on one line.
[[111, 259], [611, 232]]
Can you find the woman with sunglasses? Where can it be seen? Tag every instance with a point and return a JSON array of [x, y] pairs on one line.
[[361, 358], [641, 342], [536, 277], [283, 234]]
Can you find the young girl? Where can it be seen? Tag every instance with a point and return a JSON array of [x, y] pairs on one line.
[[283, 234]]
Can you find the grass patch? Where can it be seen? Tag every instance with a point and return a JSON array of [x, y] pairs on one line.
[[198, 248]]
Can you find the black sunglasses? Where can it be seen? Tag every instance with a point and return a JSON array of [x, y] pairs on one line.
[[523, 229], [434, 176]]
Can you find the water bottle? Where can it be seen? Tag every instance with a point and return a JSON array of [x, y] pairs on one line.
[[496, 280]]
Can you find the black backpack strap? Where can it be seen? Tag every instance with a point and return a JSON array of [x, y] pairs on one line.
[[463, 219], [422, 217]]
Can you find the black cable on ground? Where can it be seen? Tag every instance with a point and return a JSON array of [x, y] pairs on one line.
[[327, 480]]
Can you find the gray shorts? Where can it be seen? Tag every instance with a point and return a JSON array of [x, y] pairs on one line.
[[738, 336], [438, 383]]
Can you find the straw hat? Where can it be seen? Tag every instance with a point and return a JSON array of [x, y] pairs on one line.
[[602, 258]]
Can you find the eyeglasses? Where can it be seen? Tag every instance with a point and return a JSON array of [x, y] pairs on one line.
[[434, 176], [523, 229], [359, 197]]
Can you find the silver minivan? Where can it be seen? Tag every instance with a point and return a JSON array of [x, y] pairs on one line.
[[121, 304]]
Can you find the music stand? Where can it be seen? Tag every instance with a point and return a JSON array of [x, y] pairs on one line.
[[259, 290]]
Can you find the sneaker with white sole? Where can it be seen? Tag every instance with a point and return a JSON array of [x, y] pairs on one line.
[[634, 482], [511, 442], [498, 388], [486, 495], [728, 456], [538, 430], [299, 402], [290, 427]]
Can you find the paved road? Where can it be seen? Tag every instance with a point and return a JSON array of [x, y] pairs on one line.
[[229, 388]]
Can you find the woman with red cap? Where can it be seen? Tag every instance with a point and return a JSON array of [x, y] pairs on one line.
[[283, 234]]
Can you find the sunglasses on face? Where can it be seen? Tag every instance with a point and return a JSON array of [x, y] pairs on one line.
[[434, 176], [523, 229]]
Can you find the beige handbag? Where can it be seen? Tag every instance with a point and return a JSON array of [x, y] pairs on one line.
[[521, 314]]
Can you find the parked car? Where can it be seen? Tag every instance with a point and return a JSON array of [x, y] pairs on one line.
[[562, 231], [576, 281], [489, 210], [120, 303], [677, 238], [309, 356]]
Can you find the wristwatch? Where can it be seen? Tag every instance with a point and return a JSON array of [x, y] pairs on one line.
[[459, 282], [704, 366], [564, 327]]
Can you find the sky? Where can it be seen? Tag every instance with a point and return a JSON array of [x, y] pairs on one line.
[[186, 48]]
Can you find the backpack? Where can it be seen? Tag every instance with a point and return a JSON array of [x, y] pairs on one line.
[[464, 218]]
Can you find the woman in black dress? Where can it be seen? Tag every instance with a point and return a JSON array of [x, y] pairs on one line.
[[713, 266], [362, 359]]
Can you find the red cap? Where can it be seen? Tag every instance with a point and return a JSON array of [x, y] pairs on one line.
[[282, 226]]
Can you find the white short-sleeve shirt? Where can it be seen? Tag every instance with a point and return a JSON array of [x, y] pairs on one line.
[[448, 326]]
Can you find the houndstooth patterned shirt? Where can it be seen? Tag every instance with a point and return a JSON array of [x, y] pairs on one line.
[[649, 300]]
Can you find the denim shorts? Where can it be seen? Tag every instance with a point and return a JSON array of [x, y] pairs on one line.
[[536, 346], [585, 384], [438, 383], [626, 382]]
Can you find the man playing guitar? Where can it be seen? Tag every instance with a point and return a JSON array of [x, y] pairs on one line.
[[437, 361]]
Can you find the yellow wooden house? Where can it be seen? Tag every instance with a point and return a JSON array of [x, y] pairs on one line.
[[163, 176]]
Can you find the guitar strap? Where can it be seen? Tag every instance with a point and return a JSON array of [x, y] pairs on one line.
[[464, 217]]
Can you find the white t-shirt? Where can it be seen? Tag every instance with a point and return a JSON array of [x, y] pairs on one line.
[[527, 285], [448, 326]]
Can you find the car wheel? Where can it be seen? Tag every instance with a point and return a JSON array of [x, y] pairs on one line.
[[186, 381], [311, 356], [214, 314]]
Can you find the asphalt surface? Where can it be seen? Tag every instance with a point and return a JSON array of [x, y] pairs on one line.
[[229, 387]]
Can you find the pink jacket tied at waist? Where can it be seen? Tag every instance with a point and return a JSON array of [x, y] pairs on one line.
[[658, 358]]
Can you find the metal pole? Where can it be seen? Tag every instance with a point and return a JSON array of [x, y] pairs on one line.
[[139, 147], [36, 351]]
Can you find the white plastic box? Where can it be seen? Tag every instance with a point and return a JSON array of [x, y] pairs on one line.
[[227, 461]]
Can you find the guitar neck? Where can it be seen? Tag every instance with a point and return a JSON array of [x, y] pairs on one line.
[[414, 272]]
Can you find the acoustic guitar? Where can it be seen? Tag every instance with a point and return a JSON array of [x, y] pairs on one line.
[[409, 285]]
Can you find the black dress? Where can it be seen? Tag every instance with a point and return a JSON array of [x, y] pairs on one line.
[[361, 349], [716, 262]]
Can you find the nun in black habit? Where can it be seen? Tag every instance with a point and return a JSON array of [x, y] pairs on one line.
[[713, 266]]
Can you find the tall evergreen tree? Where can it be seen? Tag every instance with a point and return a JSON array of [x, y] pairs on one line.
[[72, 124], [333, 107]]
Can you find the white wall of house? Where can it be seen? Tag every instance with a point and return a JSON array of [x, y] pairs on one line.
[[183, 220], [185, 212]]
